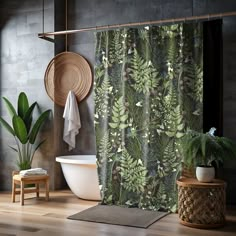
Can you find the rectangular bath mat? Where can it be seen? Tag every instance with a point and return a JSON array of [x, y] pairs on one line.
[[117, 215]]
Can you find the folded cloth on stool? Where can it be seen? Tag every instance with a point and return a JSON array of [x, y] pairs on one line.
[[33, 171]]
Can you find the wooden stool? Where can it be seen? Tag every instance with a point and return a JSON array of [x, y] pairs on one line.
[[33, 179]]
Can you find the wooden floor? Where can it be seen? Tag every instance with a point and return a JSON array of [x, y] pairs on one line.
[[41, 218]]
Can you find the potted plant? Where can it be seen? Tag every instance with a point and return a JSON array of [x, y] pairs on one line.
[[23, 129], [201, 150]]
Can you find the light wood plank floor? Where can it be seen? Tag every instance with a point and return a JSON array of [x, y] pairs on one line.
[[41, 218]]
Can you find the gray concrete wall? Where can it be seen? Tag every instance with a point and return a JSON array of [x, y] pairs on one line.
[[229, 100], [24, 58]]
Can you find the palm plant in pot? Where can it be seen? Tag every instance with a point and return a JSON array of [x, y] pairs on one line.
[[23, 129], [201, 150]]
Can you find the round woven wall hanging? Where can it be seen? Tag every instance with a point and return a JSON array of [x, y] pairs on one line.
[[67, 71]]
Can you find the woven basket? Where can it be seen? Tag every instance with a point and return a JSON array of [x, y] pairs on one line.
[[67, 71], [201, 205]]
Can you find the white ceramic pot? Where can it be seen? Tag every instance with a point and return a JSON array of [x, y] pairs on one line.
[[205, 174]]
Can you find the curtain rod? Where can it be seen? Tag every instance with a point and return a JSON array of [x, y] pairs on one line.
[[173, 20]]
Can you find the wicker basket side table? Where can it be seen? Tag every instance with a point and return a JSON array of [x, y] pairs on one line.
[[201, 205]]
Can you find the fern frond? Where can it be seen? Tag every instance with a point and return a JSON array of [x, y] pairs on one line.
[[133, 173], [117, 47], [169, 161], [102, 93], [145, 77], [104, 149], [119, 115]]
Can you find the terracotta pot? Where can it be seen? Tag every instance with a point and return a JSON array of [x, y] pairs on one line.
[[205, 174]]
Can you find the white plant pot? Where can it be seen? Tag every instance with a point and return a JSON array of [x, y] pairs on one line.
[[205, 174]]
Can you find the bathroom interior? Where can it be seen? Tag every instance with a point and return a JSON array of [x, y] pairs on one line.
[[25, 57]]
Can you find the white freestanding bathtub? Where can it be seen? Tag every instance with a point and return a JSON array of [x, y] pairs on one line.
[[80, 172]]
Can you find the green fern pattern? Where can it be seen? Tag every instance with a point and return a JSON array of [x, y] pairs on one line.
[[103, 92], [116, 48], [105, 150], [119, 115], [143, 73], [104, 164], [133, 173], [148, 91]]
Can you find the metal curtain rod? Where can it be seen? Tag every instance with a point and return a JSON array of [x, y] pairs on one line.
[[66, 23], [173, 20]]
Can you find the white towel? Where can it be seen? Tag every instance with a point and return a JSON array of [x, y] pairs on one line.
[[33, 171], [72, 122]]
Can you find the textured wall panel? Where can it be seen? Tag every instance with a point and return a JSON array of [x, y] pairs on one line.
[[24, 58]]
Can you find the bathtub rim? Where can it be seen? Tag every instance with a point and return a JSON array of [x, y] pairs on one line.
[[77, 159]]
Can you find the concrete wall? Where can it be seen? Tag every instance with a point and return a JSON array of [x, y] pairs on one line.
[[24, 58], [85, 13], [229, 100]]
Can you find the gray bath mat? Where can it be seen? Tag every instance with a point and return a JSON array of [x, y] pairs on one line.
[[116, 215]]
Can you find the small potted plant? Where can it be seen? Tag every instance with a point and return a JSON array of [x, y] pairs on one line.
[[201, 150]]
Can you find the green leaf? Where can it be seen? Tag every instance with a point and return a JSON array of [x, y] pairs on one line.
[[37, 126], [23, 104], [116, 109], [122, 112], [115, 114], [181, 126], [124, 117], [20, 129], [179, 135], [11, 110], [203, 145], [14, 149], [115, 119], [170, 134], [28, 116], [123, 126], [7, 126], [35, 149], [113, 125]]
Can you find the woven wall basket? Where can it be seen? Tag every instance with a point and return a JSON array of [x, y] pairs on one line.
[[67, 71]]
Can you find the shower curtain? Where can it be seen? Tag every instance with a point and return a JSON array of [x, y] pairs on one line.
[[148, 92]]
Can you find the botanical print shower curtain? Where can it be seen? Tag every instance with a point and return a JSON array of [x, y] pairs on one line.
[[148, 92]]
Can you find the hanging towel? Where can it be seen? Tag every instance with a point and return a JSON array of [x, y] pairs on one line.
[[72, 122]]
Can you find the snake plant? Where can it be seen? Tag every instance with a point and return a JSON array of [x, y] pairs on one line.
[[23, 129]]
